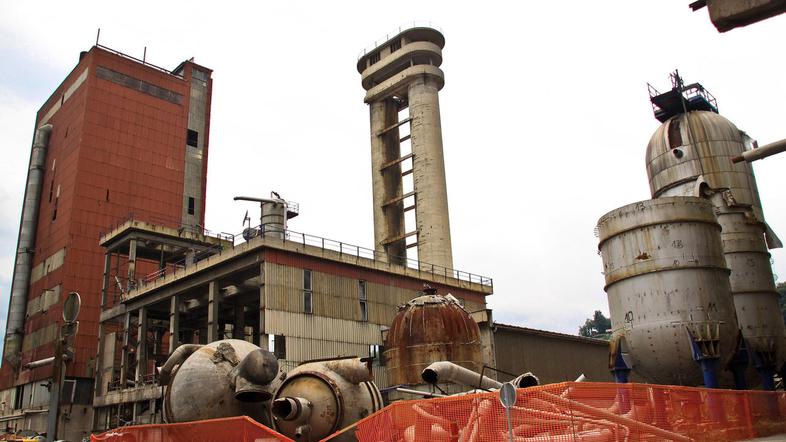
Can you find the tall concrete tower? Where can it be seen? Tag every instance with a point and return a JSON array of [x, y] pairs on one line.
[[403, 73]]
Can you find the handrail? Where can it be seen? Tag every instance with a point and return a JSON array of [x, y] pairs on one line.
[[399, 30]]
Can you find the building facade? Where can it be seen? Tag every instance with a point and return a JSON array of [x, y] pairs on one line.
[[118, 138]]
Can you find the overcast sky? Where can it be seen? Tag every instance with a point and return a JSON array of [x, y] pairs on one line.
[[545, 118]]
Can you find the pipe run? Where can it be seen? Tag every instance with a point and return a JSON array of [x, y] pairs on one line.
[[176, 358], [445, 371], [17, 305], [761, 152]]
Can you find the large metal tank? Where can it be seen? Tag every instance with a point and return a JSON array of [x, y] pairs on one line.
[[222, 379], [274, 218], [428, 329], [691, 154], [319, 398], [668, 285]]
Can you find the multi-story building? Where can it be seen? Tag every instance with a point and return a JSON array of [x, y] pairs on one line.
[[118, 138]]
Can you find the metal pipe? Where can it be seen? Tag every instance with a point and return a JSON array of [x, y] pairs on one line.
[[445, 371], [17, 305], [761, 152], [419, 393], [292, 409], [253, 375], [176, 358], [39, 363], [526, 380]]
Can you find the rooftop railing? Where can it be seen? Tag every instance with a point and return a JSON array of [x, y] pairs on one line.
[[393, 33]]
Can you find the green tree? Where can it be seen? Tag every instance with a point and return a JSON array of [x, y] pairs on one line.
[[596, 327], [781, 287]]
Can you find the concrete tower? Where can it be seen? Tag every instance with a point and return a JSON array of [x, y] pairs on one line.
[[403, 72]]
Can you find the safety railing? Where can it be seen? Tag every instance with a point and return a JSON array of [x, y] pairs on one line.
[[393, 33]]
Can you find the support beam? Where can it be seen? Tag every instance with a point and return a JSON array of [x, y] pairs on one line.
[[394, 126], [406, 172], [174, 323], [263, 337], [396, 161], [124, 350], [131, 264], [105, 280], [141, 345], [398, 198], [400, 237], [213, 308]]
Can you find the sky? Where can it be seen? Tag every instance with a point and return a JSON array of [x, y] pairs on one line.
[[545, 118]]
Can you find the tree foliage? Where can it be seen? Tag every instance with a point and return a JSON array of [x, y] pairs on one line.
[[599, 327]]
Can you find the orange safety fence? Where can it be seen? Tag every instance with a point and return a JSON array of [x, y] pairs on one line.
[[586, 411], [236, 429]]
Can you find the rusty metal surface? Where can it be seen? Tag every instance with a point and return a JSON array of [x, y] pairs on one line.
[[666, 276], [428, 329]]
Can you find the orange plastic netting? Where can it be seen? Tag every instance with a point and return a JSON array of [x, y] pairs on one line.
[[584, 411], [229, 429]]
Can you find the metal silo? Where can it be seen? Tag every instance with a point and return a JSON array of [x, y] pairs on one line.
[[690, 154], [668, 288]]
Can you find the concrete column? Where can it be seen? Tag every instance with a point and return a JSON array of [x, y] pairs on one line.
[[263, 337], [99, 374], [239, 324], [124, 350], [386, 183], [105, 280], [174, 323], [132, 264], [141, 348], [431, 211], [213, 307]]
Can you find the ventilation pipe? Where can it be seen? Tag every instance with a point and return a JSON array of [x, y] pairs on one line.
[[445, 371], [253, 374], [17, 307]]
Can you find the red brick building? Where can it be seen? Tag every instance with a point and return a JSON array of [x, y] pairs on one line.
[[127, 139]]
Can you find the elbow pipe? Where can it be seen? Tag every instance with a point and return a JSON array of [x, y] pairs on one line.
[[178, 356], [445, 371], [17, 304], [253, 376], [526, 380], [292, 409]]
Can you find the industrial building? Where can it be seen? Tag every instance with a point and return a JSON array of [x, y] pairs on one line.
[[118, 138], [115, 211]]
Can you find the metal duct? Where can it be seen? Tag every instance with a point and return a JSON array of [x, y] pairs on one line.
[[17, 307], [445, 371]]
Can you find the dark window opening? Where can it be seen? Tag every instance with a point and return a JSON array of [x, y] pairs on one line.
[[377, 353], [107, 195], [308, 294], [51, 189], [363, 300], [395, 46], [280, 347], [373, 58], [192, 138], [54, 211], [190, 205]]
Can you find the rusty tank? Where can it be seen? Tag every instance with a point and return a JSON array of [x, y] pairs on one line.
[[427, 329], [318, 398], [226, 378]]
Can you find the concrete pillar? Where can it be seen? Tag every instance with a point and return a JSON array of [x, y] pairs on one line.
[[105, 280], [431, 211], [141, 349], [263, 337], [239, 324], [99, 375], [132, 264], [124, 350], [174, 323], [213, 308], [386, 183]]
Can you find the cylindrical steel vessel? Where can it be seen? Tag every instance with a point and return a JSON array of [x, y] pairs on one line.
[[666, 280], [212, 382], [274, 218], [429, 329], [691, 154]]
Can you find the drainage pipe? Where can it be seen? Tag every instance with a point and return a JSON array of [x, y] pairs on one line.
[[17, 306], [445, 371]]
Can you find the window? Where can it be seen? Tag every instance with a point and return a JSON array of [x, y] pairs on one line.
[[363, 300], [190, 205], [308, 293], [395, 46], [279, 347], [373, 58], [192, 138], [54, 210]]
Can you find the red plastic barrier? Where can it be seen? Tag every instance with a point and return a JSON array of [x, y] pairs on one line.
[[586, 411], [240, 429]]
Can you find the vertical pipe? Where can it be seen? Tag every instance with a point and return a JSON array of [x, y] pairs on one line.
[[141, 346], [428, 170], [174, 323], [132, 264], [17, 306], [105, 279], [124, 351]]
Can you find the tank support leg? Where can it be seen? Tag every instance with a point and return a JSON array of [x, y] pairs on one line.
[[739, 364]]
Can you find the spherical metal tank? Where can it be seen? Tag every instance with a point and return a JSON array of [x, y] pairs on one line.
[[319, 398], [690, 155], [696, 145], [665, 278], [428, 329], [205, 385]]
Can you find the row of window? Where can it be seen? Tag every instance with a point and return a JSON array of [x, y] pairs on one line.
[[308, 295], [394, 46]]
